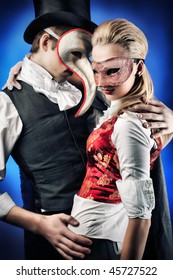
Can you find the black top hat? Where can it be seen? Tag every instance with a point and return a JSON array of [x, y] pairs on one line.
[[75, 13]]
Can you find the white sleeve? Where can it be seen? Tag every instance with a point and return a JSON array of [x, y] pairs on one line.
[[10, 129], [6, 204], [133, 144]]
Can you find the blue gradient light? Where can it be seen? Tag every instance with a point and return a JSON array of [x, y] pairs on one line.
[[153, 17]]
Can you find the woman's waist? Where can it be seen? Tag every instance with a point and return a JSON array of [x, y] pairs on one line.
[[99, 220]]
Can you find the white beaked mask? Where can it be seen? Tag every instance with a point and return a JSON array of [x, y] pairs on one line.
[[73, 50]]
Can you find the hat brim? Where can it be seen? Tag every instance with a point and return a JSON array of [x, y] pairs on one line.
[[55, 19]]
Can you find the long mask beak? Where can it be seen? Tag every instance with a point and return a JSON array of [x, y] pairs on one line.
[[73, 49]]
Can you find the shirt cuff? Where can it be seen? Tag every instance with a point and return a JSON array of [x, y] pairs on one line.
[[6, 204], [138, 197]]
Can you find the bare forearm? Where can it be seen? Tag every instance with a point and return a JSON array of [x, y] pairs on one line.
[[24, 219], [135, 239]]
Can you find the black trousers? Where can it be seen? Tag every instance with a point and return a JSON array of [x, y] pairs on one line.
[[38, 248], [102, 249]]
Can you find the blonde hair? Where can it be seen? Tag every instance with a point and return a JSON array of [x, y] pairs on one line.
[[133, 40]]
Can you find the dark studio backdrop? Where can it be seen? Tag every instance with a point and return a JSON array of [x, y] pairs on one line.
[[153, 17]]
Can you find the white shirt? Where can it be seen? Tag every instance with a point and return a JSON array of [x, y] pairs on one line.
[[64, 94]]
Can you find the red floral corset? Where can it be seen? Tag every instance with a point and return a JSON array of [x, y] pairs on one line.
[[103, 165]]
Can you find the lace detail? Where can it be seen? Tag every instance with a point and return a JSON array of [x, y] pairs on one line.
[[110, 112]]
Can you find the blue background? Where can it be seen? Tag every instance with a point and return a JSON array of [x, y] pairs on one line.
[[153, 17]]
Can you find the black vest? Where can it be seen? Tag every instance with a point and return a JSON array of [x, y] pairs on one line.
[[51, 150]]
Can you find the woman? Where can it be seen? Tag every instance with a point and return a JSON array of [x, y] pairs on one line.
[[115, 202]]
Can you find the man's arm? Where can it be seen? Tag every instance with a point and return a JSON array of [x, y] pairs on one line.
[[159, 117], [54, 229]]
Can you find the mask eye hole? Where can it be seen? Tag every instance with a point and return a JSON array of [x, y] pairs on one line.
[[95, 72], [112, 71], [77, 54]]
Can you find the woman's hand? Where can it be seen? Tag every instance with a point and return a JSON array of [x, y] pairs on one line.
[[12, 82]]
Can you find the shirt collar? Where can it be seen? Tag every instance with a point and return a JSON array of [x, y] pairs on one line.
[[64, 94]]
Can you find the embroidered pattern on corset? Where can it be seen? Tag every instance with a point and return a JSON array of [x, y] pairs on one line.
[[103, 165]]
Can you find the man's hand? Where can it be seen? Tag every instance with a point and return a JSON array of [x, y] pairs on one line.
[[54, 229], [158, 116], [70, 245], [11, 82]]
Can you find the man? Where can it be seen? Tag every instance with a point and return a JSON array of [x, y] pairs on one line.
[[37, 128], [46, 163]]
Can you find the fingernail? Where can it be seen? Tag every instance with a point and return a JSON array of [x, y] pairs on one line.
[[82, 256], [88, 252], [146, 125], [140, 116]]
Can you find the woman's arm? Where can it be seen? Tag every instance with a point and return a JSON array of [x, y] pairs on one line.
[[133, 144], [12, 82], [135, 239]]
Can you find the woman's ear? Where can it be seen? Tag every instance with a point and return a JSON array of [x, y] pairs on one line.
[[141, 67]]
